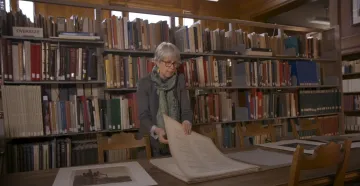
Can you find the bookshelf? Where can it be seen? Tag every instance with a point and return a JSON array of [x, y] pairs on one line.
[[351, 75], [54, 40], [193, 54], [288, 93]]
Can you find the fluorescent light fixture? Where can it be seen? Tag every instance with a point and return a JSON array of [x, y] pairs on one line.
[[320, 21], [214, 0]]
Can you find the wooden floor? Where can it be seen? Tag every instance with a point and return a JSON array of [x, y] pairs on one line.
[[266, 177]]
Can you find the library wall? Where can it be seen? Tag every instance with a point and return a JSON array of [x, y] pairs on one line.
[[350, 34]]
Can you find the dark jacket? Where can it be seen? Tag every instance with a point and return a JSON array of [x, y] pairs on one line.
[[148, 104]]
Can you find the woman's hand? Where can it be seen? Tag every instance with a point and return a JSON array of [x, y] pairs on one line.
[[187, 127], [161, 133]]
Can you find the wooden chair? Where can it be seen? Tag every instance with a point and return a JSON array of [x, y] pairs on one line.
[[306, 125], [208, 131], [121, 141], [324, 156], [255, 129]]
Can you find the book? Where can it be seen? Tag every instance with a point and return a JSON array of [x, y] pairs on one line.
[[195, 157]]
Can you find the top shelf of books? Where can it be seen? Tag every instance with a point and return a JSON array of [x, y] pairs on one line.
[[173, 14], [140, 37]]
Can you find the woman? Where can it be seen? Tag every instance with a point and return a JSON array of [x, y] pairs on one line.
[[161, 92]]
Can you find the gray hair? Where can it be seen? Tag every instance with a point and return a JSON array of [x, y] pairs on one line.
[[167, 51]]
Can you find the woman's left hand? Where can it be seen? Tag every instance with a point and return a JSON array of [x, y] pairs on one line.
[[187, 127]]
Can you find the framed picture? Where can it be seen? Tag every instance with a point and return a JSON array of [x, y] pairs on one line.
[[355, 7]]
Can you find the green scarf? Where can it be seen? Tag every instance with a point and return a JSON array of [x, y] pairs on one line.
[[168, 104]]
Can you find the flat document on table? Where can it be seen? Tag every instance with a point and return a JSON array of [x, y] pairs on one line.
[[355, 139], [195, 158], [290, 145], [262, 157], [114, 174]]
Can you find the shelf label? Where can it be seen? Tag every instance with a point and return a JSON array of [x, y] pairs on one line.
[[28, 32]]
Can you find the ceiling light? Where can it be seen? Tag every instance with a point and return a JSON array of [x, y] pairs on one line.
[[320, 20], [214, 0]]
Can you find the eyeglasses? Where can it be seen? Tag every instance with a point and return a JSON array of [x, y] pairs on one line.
[[171, 63]]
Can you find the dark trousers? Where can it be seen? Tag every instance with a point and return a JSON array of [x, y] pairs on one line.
[[158, 149], [160, 152]]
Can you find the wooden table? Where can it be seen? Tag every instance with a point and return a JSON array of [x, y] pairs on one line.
[[278, 176]]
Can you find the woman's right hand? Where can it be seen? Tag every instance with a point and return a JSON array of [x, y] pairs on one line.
[[161, 133]]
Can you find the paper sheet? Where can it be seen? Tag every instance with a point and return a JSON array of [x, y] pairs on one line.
[[169, 165], [115, 174], [336, 139], [355, 138], [355, 145], [198, 157], [290, 145], [262, 157]]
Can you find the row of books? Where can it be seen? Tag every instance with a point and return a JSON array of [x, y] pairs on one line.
[[58, 153], [139, 34], [125, 71], [83, 152], [64, 109], [252, 105], [351, 85], [38, 156], [208, 71], [312, 102], [52, 26], [122, 33], [30, 61], [352, 123], [351, 102], [32, 111], [211, 72], [224, 106], [350, 66], [230, 138]]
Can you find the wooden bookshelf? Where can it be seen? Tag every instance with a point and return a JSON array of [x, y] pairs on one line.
[[193, 54], [268, 119], [51, 82], [329, 61], [351, 77], [54, 40], [240, 88], [74, 134]]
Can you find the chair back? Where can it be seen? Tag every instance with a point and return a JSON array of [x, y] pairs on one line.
[[209, 131], [324, 156], [306, 125], [255, 129], [121, 141]]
